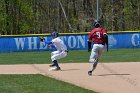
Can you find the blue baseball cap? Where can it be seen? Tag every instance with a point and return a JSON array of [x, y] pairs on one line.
[[54, 33]]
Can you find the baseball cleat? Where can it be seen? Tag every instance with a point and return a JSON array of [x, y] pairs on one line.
[[52, 65], [57, 68], [89, 73], [54, 69]]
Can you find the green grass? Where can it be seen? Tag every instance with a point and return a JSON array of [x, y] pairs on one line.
[[36, 84], [121, 55], [42, 84], [114, 55]]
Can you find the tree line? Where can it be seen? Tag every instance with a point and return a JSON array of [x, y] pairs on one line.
[[43, 16]]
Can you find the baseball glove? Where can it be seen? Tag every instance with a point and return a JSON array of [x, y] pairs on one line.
[[42, 39]]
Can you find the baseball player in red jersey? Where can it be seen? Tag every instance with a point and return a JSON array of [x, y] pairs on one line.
[[99, 37]]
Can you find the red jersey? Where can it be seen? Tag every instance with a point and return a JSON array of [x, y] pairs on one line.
[[96, 35]]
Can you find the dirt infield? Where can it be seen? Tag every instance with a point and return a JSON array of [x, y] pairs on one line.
[[107, 78]]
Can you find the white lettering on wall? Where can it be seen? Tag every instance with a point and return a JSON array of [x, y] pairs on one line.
[[32, 41], [72, 41], [20, 43], [81, 40], [135, 42]]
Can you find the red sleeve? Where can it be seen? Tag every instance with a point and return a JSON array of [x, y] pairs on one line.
[[90, 36], [104, 31]]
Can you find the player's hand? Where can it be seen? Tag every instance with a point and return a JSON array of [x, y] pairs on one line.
[[49, 44], [89, 50], [42, 39]]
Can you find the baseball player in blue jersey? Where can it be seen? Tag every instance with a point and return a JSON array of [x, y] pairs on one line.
[[61, 51]]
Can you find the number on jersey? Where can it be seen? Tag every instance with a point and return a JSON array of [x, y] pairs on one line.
[[98, 34]]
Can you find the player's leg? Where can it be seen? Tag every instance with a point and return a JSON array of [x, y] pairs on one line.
[[93, 59], [58, 56], [93, 67], [98, 52], [55, 63]]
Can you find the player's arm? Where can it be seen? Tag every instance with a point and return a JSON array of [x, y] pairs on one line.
[[89, 41], [49, 43], [89, 46], [106, 40]]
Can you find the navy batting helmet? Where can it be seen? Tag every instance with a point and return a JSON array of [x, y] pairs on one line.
[[96, 24], [54, 34]]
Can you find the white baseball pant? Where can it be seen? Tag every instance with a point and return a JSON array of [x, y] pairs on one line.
[[96, 52], [58, 55]]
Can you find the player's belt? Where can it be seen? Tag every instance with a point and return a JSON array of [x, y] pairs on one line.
[[99, 43]]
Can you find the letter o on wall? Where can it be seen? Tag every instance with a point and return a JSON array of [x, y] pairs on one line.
[[134, 42], [72, 41]]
